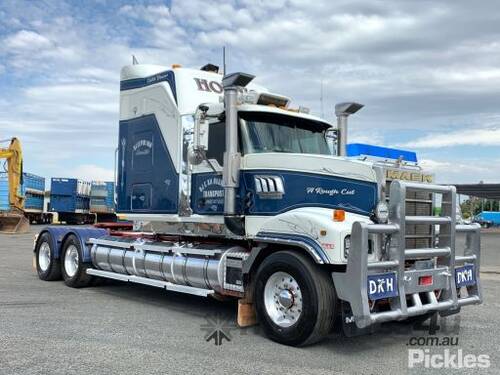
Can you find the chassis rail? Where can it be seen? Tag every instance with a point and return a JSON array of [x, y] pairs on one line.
[[352, 286]]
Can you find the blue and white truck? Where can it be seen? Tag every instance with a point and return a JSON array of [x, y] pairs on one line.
[[234, 193]]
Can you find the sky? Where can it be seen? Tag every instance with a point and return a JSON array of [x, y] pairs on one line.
[[428, 72]]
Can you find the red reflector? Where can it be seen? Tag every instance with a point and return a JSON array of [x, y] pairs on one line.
[[425, 280]]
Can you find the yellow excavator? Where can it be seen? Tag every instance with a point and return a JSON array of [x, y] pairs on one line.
[[13, 220]]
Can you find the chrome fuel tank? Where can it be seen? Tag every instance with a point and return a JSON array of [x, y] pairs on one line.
[[199, 265]]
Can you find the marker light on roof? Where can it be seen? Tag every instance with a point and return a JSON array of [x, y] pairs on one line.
[[249, 97]]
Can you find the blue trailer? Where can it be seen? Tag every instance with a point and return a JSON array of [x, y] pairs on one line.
[[4, 192], [33, 189], [102, 201], [488, 218], [70, 200]]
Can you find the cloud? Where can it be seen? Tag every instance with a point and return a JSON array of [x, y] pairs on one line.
[[91, 172], [428, 73], [476, 137], [371, 137], [465, 171], [27, 41]]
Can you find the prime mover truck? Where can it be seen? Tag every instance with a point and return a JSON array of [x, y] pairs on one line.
[[235, 194]]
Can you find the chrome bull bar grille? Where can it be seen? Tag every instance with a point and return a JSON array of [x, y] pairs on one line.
[[411, 298], [417, 203]]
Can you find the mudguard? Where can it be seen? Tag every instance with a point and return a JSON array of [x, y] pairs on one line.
[[58, 235]]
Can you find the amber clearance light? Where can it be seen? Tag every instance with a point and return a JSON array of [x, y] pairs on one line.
[[338, 215]]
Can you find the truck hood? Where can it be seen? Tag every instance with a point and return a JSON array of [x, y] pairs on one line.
[[317, 164]]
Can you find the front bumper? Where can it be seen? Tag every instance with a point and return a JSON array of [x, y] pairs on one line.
[[410, 297]]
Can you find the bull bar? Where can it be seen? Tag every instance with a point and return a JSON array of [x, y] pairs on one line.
[[352, 287]]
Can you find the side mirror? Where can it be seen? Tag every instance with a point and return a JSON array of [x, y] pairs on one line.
[[331, 139], [203, 135], [200, 139]]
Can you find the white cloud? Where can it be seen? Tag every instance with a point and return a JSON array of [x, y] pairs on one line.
[[467, 137], [368, 137], [416, 68], [91, 172], [27, 40], [465, 171]]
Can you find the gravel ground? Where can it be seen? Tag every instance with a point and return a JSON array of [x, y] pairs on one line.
[[48, 328]]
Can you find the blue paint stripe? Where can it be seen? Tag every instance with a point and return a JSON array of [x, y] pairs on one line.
[[362, 204], [135, 83], [297, 237]]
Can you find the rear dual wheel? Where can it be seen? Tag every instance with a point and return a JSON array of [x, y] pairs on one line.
[[295, 300], [47, 266], [74, 270]]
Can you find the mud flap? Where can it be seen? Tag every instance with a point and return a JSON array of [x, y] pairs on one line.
[[12, 223], [450, 312], [349, 327]]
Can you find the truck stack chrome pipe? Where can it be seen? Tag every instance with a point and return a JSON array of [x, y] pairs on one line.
[[342, 111], [232, 83]]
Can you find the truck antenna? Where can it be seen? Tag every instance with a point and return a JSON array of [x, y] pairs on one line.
[[321, 99], [223, 60], [134, 60]]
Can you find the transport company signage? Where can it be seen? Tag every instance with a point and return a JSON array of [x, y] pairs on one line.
[[210, 86], [143, 147], [212, 188]]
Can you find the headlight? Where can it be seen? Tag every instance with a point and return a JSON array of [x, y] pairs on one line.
[[347, 245], [382, 212]]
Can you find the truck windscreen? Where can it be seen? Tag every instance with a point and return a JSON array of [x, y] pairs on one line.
[[269, 132]]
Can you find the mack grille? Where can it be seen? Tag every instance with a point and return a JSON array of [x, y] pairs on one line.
[[418, 203]]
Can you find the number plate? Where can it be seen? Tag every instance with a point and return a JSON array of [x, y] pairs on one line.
[[465, 275], [382, 285]]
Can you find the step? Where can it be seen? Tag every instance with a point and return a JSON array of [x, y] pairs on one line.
[[151, 282]]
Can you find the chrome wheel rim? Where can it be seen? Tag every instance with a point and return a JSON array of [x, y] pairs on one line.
[[44, 256], [283, 299], [71, 260]]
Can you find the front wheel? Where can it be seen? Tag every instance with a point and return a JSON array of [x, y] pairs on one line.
[[295, 299]]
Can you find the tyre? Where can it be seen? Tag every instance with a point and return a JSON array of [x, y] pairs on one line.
[[295, 300], [47, 267], [74, 271]]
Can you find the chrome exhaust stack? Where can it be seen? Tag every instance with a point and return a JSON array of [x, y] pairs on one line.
[[342, 111], [232, 83]]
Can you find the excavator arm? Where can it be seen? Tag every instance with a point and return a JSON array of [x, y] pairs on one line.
[[14, 156], [14, 221]]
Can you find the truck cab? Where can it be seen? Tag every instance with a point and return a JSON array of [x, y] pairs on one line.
[[234, 193], [286, 180]]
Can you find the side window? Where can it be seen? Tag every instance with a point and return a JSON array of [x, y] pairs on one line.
[[216, 141]]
